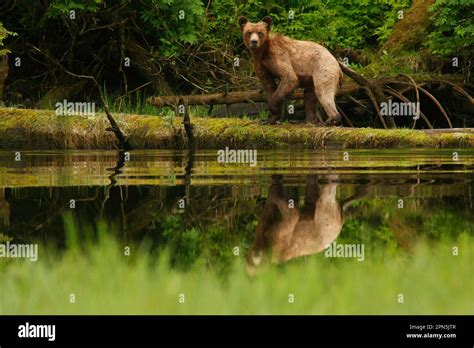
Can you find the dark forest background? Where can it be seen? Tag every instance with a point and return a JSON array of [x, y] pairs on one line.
[[190, 46]]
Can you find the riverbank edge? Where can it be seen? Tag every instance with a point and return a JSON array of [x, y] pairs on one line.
[[44, 130]]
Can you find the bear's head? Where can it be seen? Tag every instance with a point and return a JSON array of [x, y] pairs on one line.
[[255, 34]]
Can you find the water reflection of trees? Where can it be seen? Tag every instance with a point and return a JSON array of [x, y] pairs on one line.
[[4, 211], [232, 211], [289, 227]]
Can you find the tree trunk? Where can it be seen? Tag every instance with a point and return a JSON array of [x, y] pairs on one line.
[[232, 97], [3, 75]]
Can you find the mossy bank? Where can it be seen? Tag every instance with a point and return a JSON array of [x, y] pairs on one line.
[[43, 129]]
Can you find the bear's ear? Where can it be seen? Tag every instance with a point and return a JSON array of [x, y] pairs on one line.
[[242, 21], [268, 20]]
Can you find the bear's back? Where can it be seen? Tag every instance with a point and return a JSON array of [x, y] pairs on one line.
[[305, 57]]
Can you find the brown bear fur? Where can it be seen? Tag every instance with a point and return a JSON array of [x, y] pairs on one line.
[[295, 64]]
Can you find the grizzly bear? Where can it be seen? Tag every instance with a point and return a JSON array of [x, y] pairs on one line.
[[293, 63]]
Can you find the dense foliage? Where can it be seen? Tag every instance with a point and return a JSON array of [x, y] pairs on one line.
[[4, 33], [190, 45], [454, 28]]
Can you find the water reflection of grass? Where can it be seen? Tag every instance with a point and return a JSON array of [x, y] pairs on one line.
[[104, 280]]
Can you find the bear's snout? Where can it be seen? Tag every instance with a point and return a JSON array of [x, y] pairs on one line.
[[254, 40]]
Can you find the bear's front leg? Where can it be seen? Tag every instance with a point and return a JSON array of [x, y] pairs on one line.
[[269, 88], [275, 108], [286, 87], [268, 83]]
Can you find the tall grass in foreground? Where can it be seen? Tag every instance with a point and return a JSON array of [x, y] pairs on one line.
[[105, 281]]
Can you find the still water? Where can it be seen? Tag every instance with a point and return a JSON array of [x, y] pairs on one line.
[[291, 204]]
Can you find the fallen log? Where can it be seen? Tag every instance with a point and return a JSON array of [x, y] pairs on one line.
[[378, 91], [233, 97], [22, 129]]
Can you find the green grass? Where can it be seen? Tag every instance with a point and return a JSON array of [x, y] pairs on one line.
[[137, 104], [130, 105], [105, 281]]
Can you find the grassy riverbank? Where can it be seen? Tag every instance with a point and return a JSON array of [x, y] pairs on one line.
[[42, 129]]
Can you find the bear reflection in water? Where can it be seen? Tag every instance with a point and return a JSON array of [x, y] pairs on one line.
[[285, 231]]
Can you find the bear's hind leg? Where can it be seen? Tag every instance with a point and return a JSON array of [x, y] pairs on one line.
[[326, 94], [334, 117]]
